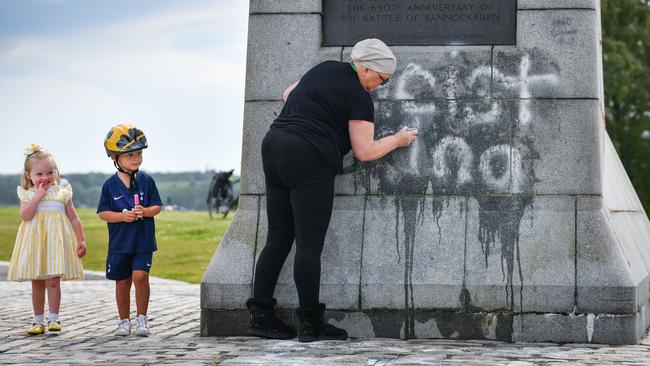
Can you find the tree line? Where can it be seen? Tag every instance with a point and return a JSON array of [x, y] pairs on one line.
[[186, 190], [626, 66]]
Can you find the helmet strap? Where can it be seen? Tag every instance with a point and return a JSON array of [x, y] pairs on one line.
[[131, 175]]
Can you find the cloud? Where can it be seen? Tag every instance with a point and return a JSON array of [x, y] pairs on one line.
[[142, 53], [180, 67]]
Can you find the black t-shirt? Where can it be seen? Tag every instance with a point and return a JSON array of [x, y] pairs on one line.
[[319, 108]]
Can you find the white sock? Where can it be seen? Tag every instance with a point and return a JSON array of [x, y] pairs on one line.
[[52, 317], [142, 316], [39, 319]]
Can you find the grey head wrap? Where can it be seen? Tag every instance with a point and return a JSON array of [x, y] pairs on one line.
[[375, 55]]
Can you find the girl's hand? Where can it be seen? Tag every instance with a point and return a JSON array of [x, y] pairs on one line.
[[41, 190], [138, 211], [128, 216], [81, 249], [405, 136]]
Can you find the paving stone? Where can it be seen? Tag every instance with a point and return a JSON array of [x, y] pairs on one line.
[[187, 348]]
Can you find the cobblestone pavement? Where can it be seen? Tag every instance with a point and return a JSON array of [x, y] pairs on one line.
[[89, 316]]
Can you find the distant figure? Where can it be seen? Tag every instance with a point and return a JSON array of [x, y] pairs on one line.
[[50, 238], [128, 203], [222, 193]]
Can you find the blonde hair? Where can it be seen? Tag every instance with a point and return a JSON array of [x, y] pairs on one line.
[[38, 156]]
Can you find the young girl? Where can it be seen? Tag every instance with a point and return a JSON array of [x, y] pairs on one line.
[[50, 240]]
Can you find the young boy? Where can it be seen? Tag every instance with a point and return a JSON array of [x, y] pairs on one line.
[[128, 203]]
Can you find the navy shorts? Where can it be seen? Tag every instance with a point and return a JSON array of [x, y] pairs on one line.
[[121, 266]]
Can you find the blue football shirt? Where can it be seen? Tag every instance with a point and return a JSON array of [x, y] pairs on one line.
[[138, 236]]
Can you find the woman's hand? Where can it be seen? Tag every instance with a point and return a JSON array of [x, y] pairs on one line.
[[366, 148], [406, 135]]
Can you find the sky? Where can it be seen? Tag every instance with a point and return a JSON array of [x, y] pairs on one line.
[[71, 69]]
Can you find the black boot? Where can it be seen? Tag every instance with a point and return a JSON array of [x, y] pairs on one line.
[[314, 328], [264, 323]]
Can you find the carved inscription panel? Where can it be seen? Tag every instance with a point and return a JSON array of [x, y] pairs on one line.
[[420, 22]]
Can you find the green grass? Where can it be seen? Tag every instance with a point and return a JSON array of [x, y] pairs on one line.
[[186, 241]]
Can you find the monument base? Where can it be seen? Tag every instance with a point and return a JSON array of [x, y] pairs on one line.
[[509, 218], [498, 326]]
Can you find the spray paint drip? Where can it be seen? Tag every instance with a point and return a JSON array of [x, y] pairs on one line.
[[463, 147], [499, 219]]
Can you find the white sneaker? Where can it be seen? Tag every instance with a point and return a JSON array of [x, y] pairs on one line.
[[123, 328], [142, 328]]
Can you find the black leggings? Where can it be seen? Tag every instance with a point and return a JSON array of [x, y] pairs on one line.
[[299, 197]]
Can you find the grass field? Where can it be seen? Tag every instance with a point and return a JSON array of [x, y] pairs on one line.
[[186, 241]]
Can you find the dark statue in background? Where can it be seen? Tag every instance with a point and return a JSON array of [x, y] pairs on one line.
[[223, 193]]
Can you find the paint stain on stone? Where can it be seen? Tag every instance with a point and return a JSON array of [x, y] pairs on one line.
[[499, 220], [464, 147], [411, 209]]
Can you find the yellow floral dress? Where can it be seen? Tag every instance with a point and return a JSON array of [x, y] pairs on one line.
[[46, 246]]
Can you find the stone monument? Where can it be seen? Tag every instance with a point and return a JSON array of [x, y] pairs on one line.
[[509, 218]]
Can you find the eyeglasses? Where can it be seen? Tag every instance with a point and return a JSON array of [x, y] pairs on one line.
[[383, 81]]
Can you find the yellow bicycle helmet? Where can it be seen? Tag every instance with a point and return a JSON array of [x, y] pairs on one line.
[[124, 138]]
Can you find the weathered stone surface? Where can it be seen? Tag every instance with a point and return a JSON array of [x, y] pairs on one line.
[[618, 192], [546, 327], [413, 253], [545, 134], [380, 323], [227, 281], [633, 228], [281, 6], [556, 57], [216, 322], [555, 4], [618, 329], [258, 117], [358, 324], [520, 253], [340, 260], [426, 324], [611, 276], [281, 49], [622, 201]]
